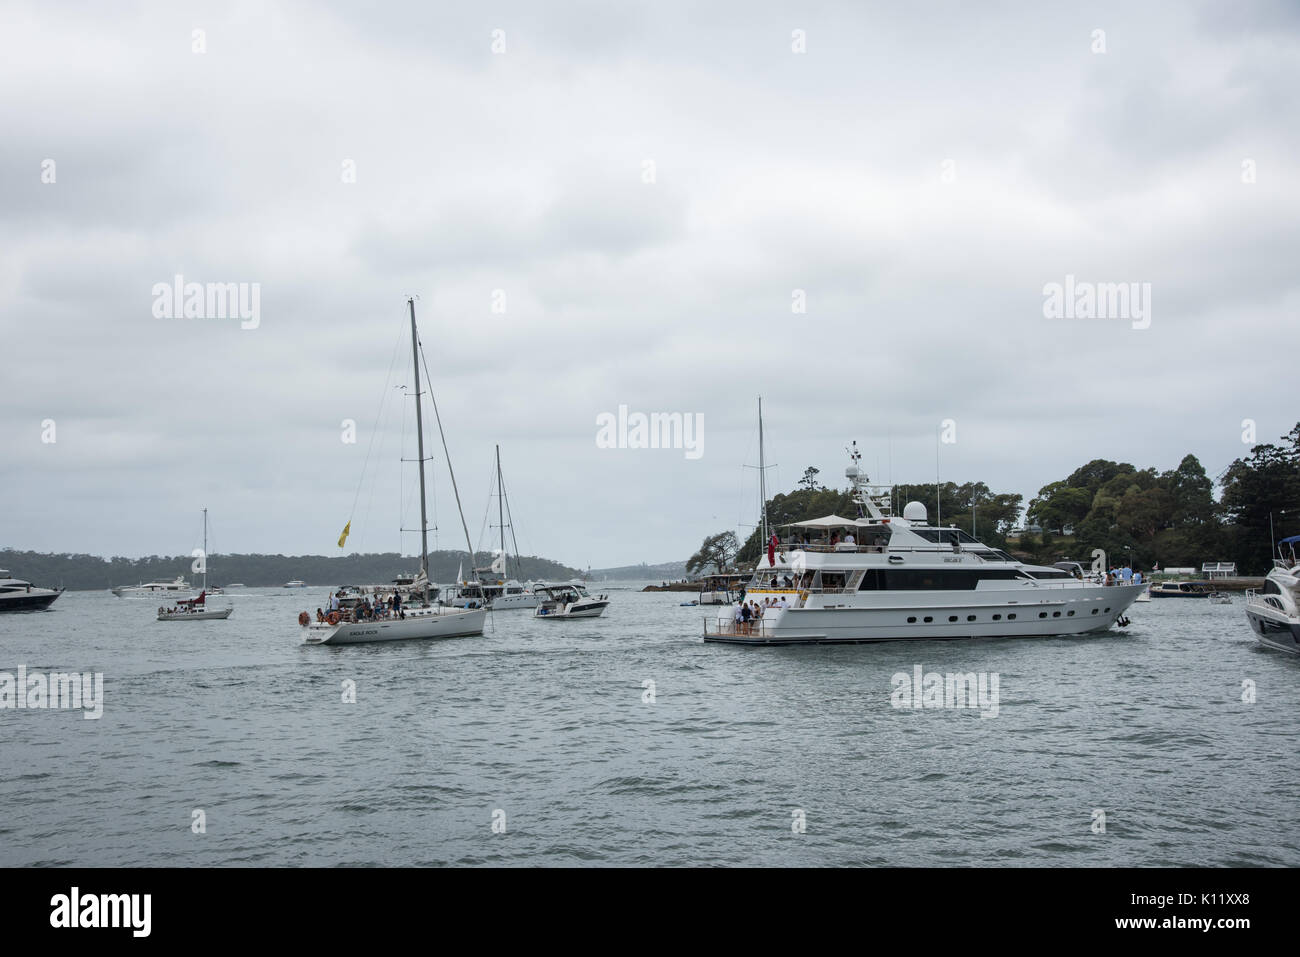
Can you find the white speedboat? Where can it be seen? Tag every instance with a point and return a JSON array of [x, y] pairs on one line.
[[1274, 610], [568, 601], [410, 618], [18, 594], [885, 578], [179, 586], [295, 584]]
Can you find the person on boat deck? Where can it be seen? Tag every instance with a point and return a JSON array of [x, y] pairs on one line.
[[334, 602], [745, 614], [835, 539], [1127, 572], [849, 539], [1137, 577], [737, 617], [320, 615]]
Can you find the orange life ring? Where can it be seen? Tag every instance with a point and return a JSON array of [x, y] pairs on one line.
[[333, 618], [303, 618]]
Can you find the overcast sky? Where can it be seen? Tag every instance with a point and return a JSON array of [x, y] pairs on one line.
[[648, 185]]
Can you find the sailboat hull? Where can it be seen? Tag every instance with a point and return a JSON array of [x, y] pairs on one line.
[[433, 623], [213, 614]]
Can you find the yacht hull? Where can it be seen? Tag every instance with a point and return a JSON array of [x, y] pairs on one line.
[[1079, 612], [214, 614], [588, 611], [31, 602], [435, 623], [1275, 631]]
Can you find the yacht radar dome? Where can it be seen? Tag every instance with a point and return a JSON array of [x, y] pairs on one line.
[[914, 512]]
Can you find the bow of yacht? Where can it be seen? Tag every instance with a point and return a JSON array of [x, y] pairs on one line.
[[1274, 610]]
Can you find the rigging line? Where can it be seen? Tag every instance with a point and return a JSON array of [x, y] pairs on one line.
[[362, 537], [374, 429], [446, 454], [510, 520], [487, 510]]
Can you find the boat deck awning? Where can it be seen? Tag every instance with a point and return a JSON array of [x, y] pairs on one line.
[[830, 521]]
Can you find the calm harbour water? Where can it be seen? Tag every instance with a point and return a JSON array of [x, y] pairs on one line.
[[545, 721]]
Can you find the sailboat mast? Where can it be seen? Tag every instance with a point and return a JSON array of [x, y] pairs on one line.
[[419, 435], [762, 471], [501, 521], [205, 549]]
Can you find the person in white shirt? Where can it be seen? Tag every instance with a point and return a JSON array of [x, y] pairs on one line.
[[849, 539]]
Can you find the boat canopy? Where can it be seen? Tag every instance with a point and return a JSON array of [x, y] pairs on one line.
[[1289, 541], [830, 521]]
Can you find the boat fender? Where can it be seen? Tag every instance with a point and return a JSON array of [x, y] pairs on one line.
[[333, 618], [303, 618]]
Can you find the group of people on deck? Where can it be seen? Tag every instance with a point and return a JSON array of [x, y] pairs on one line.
[[1123, 576], [380, 609], [749, 613]]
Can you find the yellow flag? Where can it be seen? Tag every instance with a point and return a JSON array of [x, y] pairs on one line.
[[346, 529]]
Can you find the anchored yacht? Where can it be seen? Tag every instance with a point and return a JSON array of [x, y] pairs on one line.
[[569, 601], [879, 577], [180, 585], [1274, 611], [18, 594], [411, 617]]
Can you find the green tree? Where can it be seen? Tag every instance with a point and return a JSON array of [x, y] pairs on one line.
[[718, 550], [809, 480]]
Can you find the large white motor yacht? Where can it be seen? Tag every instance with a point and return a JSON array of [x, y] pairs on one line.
[[879, 577], [149, 589], [1274, 610]]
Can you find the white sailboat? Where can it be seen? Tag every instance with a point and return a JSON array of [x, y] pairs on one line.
[[195, 609], [411, 617], [493, 587]]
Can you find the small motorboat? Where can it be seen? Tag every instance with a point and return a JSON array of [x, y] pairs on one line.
[[1181, 590], [568, 601]]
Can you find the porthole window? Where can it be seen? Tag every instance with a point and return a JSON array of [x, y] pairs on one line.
[[1094, 611], [1042, 614], [997, 617], [952, 617], [1011, 617], [928, 619], [1108, 609], [1069, 614], [970, 617], [1056, 614], [911, 620]]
